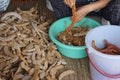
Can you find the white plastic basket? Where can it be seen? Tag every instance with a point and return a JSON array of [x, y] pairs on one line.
[[103, 66]]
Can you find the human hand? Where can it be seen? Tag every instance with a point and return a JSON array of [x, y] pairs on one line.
[[70, 3], [81, 13]]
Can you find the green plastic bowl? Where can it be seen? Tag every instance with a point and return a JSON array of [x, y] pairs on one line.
[[60, 25]]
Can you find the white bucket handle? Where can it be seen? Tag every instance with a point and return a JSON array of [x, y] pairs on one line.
[[99, 70]]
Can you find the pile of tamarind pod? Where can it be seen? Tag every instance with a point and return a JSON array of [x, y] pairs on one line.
[[108, 49], [26, 52]]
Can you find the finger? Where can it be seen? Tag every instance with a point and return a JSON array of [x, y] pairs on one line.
[[67, 2], [72, 2]]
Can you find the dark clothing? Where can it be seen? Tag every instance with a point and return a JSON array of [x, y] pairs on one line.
[[62, 10], [111, 12]]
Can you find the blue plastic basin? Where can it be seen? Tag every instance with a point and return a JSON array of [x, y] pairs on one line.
[[60, 25]]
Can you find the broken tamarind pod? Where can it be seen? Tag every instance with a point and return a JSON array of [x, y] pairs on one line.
[[50, 67], [108, 49], [34, 25], [21, 57], [31, 71], [54, 70], [23, 24], [80, 34], [7, 50], [112, 45], [106, 43], [33, 9], [45, 65], [36, 72], [2, 24], [19, 69], [11, 37], [42, 75], [39, 61], [49, 78], [42, 19], [38, 51], [5, 31], [11, 14], [25, 67], [27, 77], [111, 49], [18, 10], [18, 76], [65, 73], [94, 46], [57, 54], [3, 75]]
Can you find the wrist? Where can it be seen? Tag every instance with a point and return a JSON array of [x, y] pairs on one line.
[[85, 9], [88, 8]]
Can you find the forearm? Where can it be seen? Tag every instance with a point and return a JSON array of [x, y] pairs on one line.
[[97, 5]]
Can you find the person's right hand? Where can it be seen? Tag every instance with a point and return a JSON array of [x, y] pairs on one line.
[[70, 3]]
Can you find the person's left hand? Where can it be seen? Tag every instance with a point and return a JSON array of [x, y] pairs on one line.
[[70, 3], [81, 13]]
